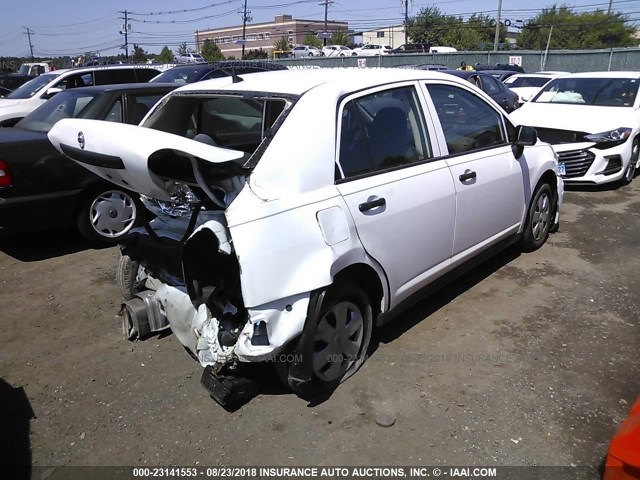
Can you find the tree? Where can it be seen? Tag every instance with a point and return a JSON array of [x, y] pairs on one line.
[[139, 55], [166, 55], [434, 27], [183, 49], [282, 44], [576, 30], [339, 37], [311, 40], [256, 54], [210, 51]]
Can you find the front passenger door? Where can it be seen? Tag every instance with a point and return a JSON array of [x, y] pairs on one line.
[[489, 180]]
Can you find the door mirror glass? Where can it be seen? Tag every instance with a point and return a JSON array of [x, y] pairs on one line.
[[51, 92], [526, 136]]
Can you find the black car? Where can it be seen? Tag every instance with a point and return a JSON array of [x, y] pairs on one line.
[[40, 189], [412, 48], [197, 72], [504, 97], [11, 81], [501, 75], [425, 66], [4, 91]]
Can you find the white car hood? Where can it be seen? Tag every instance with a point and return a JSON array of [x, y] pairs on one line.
[[120, 153], [580, 118]]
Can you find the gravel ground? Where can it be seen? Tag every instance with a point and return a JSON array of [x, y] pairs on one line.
[[531, 359]]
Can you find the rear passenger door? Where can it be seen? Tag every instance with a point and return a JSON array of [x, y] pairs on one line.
[[400, 195], [489, 180]]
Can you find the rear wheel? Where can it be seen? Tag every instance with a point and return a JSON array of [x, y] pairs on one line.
[[130, 276], [107, 214], [630, 172], [341, 337], [539, 218]]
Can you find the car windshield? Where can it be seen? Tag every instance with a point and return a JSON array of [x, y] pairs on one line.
[[32, 87], [603, 92], [518, 82], [67, 104], [182, 75]]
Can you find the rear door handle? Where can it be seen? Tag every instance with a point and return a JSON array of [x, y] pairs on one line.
[[467, 175], [370, 205]]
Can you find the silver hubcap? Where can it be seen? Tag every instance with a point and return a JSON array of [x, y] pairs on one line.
[[541, 217], [112, 214], [338, 340]]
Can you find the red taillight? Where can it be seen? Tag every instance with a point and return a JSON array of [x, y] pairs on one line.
[[5, 177]]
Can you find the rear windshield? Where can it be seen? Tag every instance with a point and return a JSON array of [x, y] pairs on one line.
[[226, 121], [603, 92], [32, 87], [518, 82]]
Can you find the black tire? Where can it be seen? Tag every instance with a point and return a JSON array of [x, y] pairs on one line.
[[630, 172], [539, 219], [122, 206], [346, 347], [127, 277]]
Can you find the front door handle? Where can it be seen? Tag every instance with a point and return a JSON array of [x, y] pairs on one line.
[[370, 205], [467, 175]]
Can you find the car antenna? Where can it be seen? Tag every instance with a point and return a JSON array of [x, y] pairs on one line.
[[232, 73]]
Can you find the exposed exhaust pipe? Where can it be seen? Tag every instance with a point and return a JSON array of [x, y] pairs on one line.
[[143, 316]]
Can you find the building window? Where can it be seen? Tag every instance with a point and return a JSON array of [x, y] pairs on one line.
[[380, 34], [261, 36], [252, 38], [236, 37], [267, 36]]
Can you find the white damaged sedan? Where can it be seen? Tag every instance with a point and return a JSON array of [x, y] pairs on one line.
[[271, 244], [593, 122]]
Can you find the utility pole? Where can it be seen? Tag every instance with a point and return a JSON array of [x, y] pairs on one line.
[[406, 19], [326, 4], [497, 38], [29, 32], [609, 11], [245, 18], [125, 32]]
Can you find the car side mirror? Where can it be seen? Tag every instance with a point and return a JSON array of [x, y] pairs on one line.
[[526, 136], [51, 92]]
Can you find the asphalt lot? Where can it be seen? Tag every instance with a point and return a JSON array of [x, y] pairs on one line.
[[531, 359]]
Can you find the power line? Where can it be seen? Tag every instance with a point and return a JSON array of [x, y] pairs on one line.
[[184, 10]]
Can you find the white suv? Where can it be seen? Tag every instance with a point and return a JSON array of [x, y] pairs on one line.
[[337, 51], [372, 50], [25, 99], [273, 244]]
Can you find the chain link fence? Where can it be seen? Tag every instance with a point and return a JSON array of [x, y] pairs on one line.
[[532, 61]]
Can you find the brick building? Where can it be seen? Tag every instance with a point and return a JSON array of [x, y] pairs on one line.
[[264, 35]]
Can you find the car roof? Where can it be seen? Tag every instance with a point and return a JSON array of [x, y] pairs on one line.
[[297, 82], [627, 74], [465, 73], [127, 87]]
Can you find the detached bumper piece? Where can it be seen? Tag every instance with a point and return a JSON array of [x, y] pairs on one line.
[[228, 389]]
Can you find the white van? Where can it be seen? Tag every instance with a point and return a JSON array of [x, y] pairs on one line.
[[442, 50]]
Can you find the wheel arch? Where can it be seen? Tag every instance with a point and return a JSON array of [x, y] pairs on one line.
[[369, 279]]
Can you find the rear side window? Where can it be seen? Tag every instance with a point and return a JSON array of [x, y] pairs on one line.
[[110, 77], [381, 131], [469, 123], [143, 75]]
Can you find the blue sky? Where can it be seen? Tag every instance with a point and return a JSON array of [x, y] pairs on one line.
[[67, 27]]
